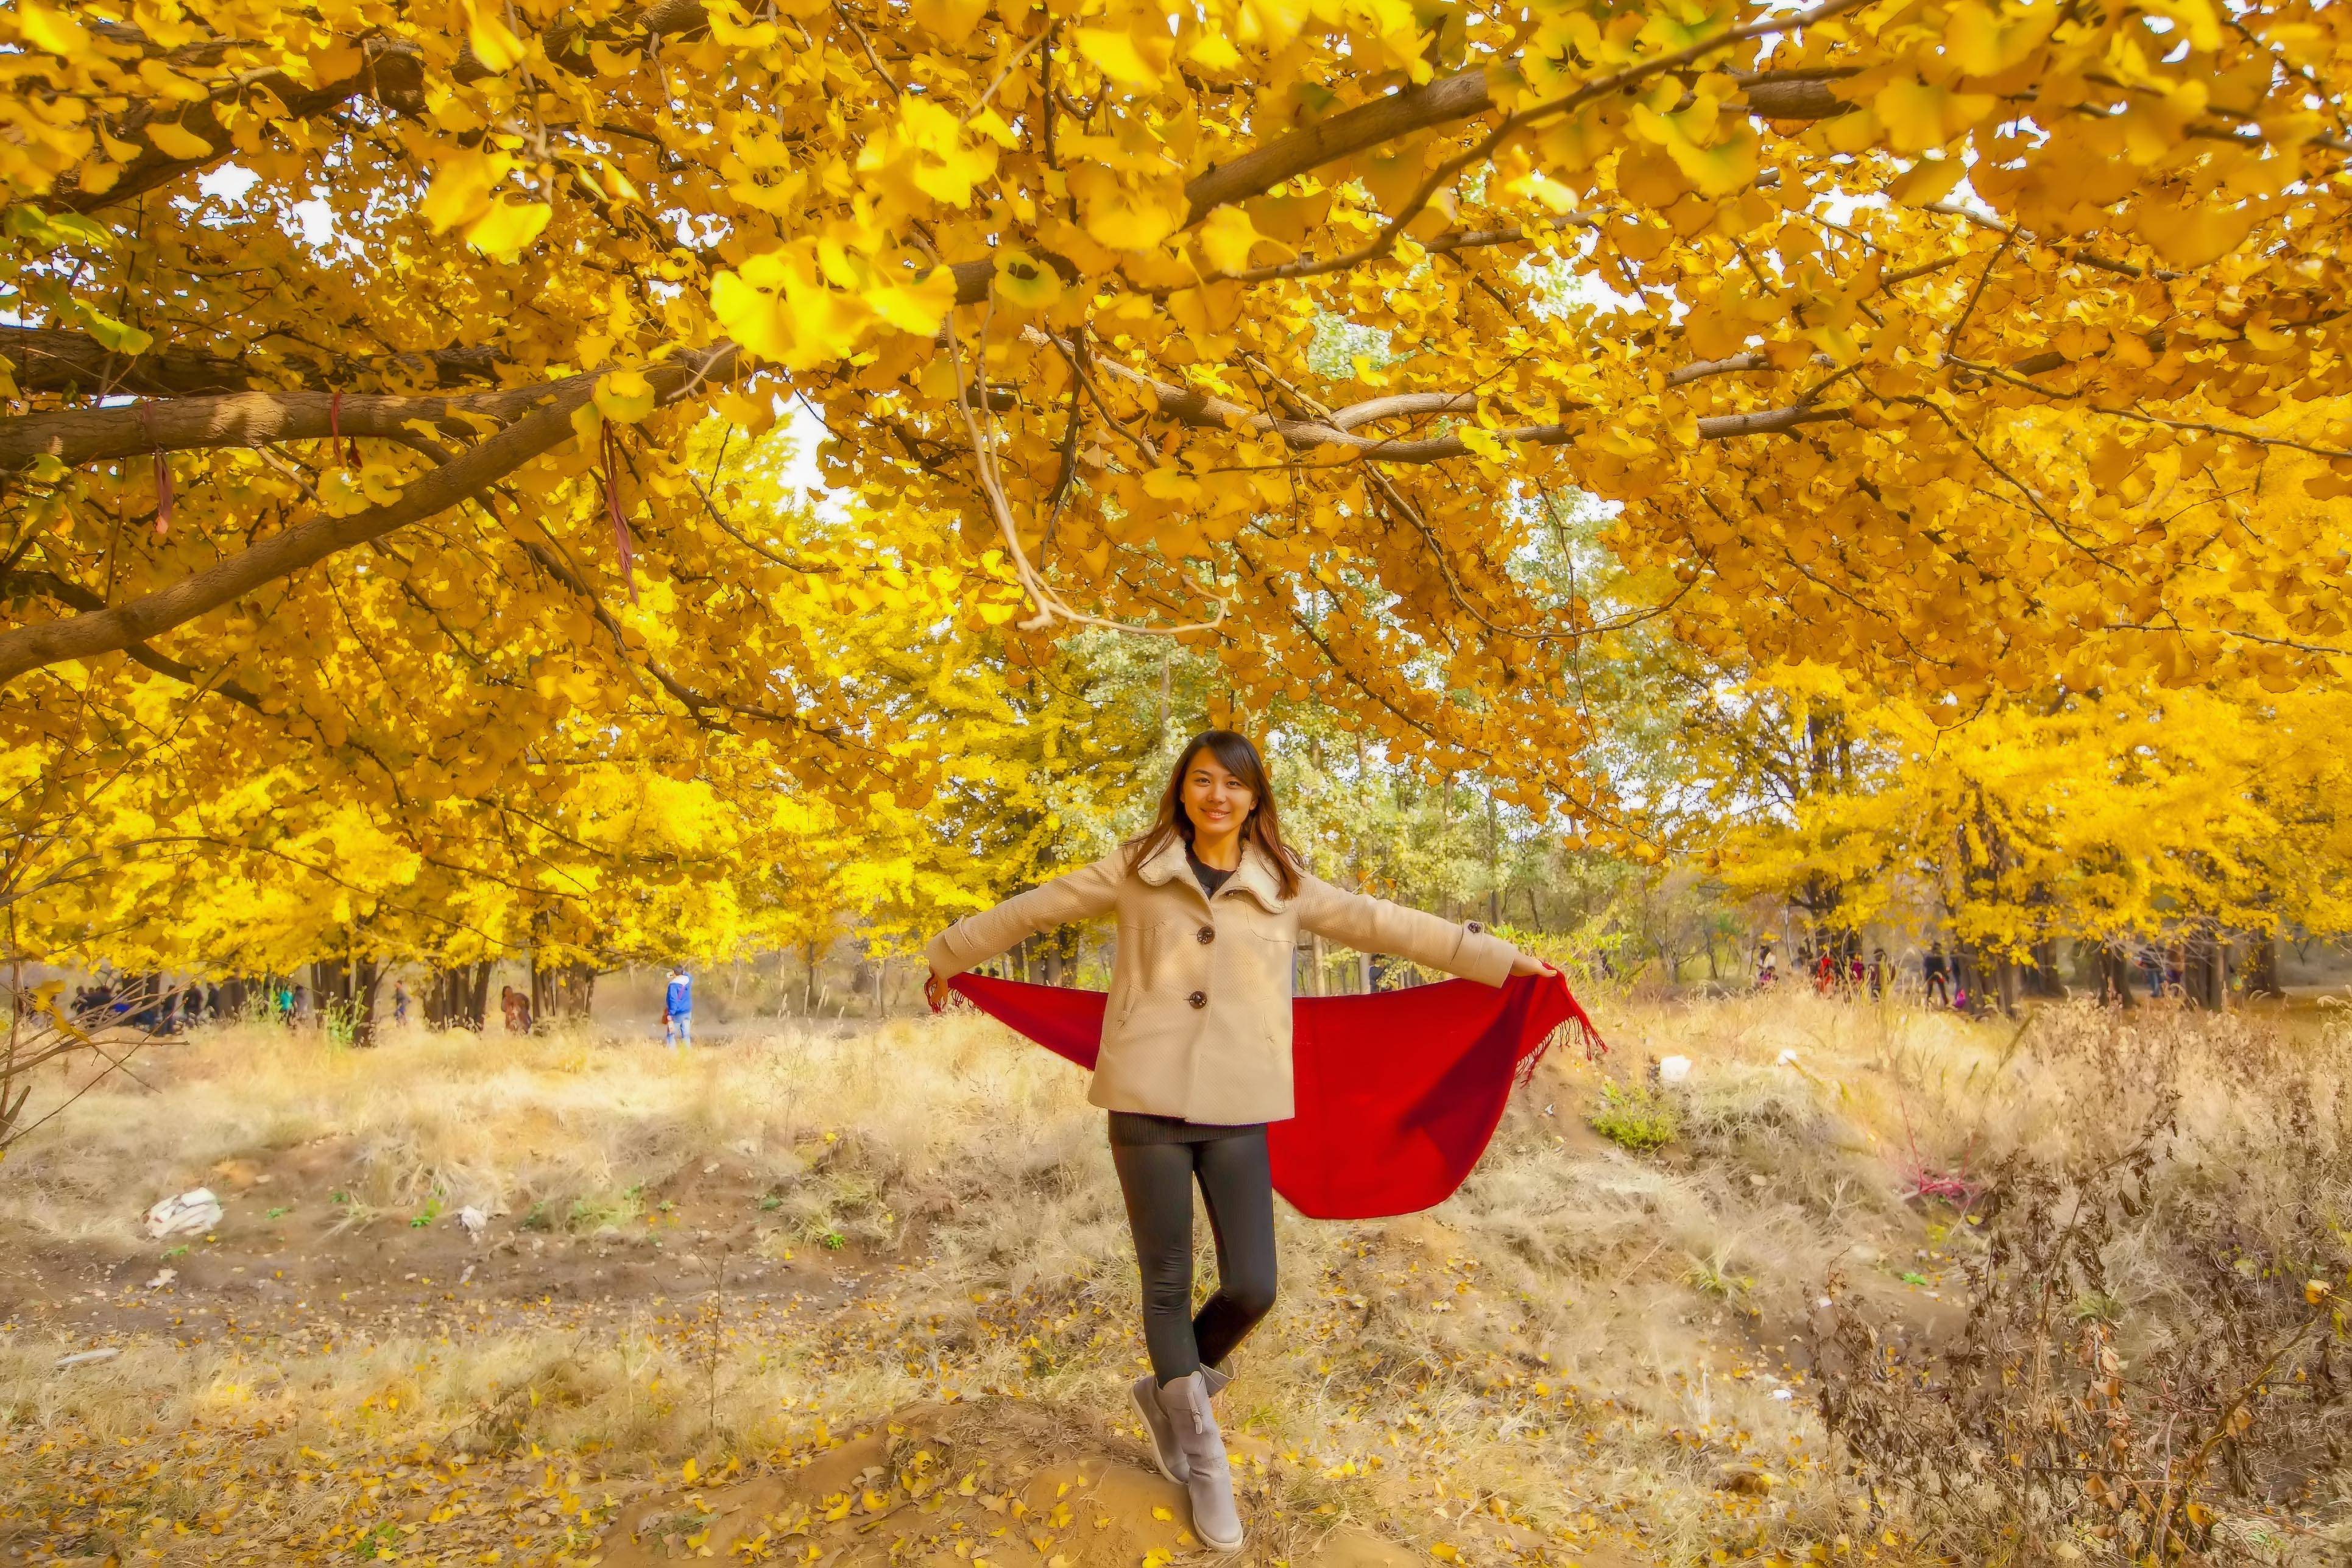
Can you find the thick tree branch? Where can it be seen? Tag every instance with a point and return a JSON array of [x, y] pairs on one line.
[[53, 361], [1786, 95], [74, 596], [78, 435], [474, 470], [1621, 80], [389, 73], [1205, 411], [1699, 370]]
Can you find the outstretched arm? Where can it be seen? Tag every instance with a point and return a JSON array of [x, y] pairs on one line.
[[1376, 925], [1088, 891]]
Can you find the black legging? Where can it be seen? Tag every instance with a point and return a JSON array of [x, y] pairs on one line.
[[1239, 1188]]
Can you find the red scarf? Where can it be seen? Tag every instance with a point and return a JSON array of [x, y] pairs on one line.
[[1397, 1092]]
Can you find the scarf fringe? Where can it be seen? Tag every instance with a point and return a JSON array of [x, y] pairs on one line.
[[1576, 1027]]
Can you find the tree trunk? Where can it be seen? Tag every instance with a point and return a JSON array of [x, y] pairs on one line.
[[560, 993], [330, 994], [2200, 966], [2115, 976], [2262, 967], [2008, 982], [1969, 975], [457, 997], [808, 988], [365, 975], [2044, 979]]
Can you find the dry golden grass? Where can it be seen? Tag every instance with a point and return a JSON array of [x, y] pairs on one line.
[[1583, 1353]]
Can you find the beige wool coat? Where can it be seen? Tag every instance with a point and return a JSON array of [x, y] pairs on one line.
[[1198, 1023]]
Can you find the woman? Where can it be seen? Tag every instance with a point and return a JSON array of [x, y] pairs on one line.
[[1196, 1059]]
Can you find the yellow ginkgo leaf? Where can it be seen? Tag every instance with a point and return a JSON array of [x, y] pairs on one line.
[[1169, 483], [1913, 113], [951, 20], [779, 307], [918, 307], [1721, 169], [1213, 52], [1984, 41], [493, 44], [1026, 283], [2194, 236], [625, 396], [1127, 216], [461, 189], [508, 227], [1928, 180], [1537, 185], [1127, 61], [50, 30], [1272, 23], [1227, 238], [178, 141]]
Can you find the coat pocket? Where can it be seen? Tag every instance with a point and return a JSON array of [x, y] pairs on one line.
[[1133, 968], [1268, 944]]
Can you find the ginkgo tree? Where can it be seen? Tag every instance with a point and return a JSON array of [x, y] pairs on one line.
[[374, 370], [1055, 274], [2112, 819]]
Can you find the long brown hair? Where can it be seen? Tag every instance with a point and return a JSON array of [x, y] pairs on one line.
[[1262, 828]]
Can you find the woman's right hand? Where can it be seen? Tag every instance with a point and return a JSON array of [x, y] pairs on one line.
[[935, 991]]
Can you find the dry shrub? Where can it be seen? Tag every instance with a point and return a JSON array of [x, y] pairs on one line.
[[2151, 1369]]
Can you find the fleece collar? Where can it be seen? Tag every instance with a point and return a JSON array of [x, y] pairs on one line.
[[1255, 876]]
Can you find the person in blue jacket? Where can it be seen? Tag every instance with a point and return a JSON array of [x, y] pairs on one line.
[[678, 1008]]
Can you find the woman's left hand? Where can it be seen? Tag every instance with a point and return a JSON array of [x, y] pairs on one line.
[[1528, 963]]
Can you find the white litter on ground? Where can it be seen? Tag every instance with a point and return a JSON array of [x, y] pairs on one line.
[[192, 1212]]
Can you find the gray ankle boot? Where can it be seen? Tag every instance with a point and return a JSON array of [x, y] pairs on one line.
[[1145, 1392], [1208, 1478]]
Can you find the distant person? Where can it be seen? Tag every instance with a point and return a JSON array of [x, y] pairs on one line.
[[677, 1009], [516, 1007], [399, 1003], [1935, 971], [1195, 1061], [1877, 972], [1767, 968]]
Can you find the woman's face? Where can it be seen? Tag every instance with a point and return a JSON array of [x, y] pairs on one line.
[[1215, 798]]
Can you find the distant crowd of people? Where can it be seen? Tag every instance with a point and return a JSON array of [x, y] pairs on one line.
[[139, 1002], [143, 1002], [1839, 969]]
